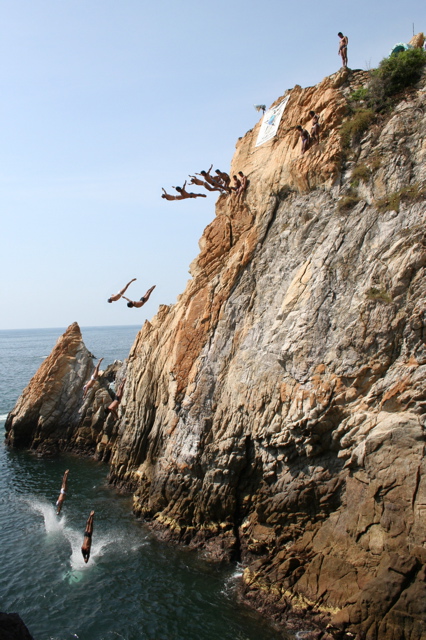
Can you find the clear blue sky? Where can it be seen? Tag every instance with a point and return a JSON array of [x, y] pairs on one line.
[[103, 102]]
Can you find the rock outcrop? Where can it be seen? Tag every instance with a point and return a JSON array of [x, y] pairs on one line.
[[276, 412], [13, 628], [50, 415]]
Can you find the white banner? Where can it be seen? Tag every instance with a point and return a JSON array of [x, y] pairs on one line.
[[270, 122]]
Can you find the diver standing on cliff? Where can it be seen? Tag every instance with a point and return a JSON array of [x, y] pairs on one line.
[[304, 135], [87, 542], [236, 186], [343, 48], [118, 295], [314, 127], [63, 493], [223, 177], [244, 182]]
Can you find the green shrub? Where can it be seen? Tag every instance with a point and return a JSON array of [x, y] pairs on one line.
[[360, 173], [388, 203], [394, 74], [412, 193], [353, 129], [359, 94], [379, 294]]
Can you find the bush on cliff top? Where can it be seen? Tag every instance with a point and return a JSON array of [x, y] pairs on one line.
[[395, 74]]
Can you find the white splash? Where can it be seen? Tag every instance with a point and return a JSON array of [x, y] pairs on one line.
[[97, 550], [232, 580], [52, 523]]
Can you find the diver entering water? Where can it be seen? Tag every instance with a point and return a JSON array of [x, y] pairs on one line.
[[63, 493], [87, 542]]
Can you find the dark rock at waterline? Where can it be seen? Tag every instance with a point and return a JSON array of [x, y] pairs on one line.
[[13, 628]]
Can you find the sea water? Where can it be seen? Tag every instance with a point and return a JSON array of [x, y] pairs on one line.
[[133, 587]]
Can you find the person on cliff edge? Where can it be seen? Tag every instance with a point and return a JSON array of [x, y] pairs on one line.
[[118, 295], [113, 407], [139, 303], [87, 542], [305, 138], [244, 183], [93, 378], [314, 127], [63, 493], [343, 49]]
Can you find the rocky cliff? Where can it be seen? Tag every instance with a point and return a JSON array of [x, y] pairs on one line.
[[51, 415], [275, 413]]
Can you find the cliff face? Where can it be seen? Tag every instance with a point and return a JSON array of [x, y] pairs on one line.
[[276, 412]]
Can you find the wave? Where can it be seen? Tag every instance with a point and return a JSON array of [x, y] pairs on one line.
[[232, 581], [3, 417]]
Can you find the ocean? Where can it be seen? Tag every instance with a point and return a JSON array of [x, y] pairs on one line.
[[133, 587]]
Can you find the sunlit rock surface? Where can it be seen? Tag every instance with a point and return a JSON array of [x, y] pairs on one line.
[[275, 413]]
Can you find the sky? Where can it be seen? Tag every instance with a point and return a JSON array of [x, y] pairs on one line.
[[104, 102]]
